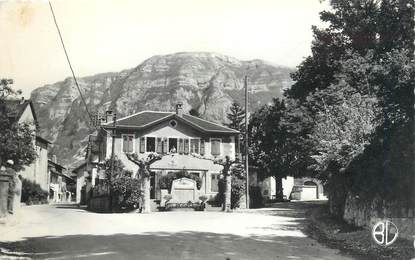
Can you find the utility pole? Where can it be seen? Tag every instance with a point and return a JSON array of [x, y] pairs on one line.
[[114, 121], [246, 141]]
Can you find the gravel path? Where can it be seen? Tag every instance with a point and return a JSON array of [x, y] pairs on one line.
[[67, 232]]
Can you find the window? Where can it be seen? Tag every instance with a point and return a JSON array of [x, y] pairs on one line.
[[142, 144], [128, 143], [173, 123], [215, 146], [186, 146], [151, 144], [194, 145], [173, 145], [214, 182]]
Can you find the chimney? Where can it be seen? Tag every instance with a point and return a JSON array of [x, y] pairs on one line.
[[54, 159], [179, 109], [108, 116]]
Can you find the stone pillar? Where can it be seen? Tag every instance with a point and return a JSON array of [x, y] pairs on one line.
[[4, 193], [17, 194], [10, 192]]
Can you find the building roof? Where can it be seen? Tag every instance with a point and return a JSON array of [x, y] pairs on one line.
[[56, 164], [145, 119], [207, 125], [16, 107], [41, 139]]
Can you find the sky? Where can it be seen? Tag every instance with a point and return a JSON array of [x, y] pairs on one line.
[[112, 35]]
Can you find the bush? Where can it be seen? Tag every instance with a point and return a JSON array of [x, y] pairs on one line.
[[237, 191], [127, 192], [32, 193], [166, 181]]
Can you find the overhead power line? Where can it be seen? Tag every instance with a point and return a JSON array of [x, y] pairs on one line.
[[69, 62]]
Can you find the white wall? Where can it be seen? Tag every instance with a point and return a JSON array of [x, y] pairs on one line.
[[287, 185]]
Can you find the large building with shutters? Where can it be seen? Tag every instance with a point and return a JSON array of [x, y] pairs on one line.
[[185, 141]]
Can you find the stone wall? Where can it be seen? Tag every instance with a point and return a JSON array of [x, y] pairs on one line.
[[367, 214]]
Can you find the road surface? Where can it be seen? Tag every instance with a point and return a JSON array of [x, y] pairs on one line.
[[68, 232]]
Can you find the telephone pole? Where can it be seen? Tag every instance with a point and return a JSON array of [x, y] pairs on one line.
[[246, 141], [114, 120]]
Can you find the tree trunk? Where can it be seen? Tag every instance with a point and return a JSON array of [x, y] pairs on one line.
[[279, 195], [227, 203], [146, 196]]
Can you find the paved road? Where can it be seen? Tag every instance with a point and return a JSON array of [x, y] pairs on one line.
[[67, 232]]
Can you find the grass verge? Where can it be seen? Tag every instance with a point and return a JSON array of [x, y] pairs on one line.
[[354, 241]]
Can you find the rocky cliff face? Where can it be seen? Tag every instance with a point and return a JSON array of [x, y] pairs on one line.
[[207, 82]]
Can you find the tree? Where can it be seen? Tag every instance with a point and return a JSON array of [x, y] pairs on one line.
[[144, 174], [123, 188], [269, 147], [194, 112], [227, 164], [360, 64], [227, 171], [236, 118], [16, 139]]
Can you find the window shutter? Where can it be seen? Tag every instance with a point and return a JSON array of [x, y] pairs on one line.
[[142, 144], [130, 143], [159, 148], [186, 146], [181, 145], [164, 145], [124, 143], [202, 146], [197, 146], [215, 150]]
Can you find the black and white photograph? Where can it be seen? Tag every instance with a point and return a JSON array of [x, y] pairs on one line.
[[207, 129]]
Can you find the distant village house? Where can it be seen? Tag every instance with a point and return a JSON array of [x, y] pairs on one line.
[[183, 139], [22, 111]]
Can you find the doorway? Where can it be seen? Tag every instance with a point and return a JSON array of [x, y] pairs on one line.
[[173, 145]]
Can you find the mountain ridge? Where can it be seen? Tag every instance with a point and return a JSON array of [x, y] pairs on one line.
[[207, 82]]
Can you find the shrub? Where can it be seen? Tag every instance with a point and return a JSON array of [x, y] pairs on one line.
[[166, 181], [32, 193], [237, 191], [127, 192]]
